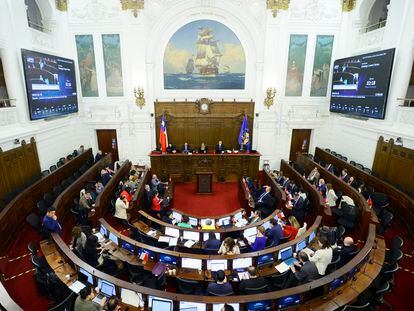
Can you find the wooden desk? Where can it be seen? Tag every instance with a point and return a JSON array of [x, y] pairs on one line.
[[226, 167]]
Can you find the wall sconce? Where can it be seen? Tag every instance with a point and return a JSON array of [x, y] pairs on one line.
[[134, 5], [270, 95], [276, 5], [139, 97]]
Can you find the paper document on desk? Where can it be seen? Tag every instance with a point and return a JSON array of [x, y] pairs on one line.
[[152, 233], [100, 237], [241, 243], [251, 238], [173, 242], [243, 275], [189, 243], [131, 298], [165, 239], [307, 250], [282, 267], [76, 287]]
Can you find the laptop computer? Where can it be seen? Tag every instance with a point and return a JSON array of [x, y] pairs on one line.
[[106, 289], [286, 255]]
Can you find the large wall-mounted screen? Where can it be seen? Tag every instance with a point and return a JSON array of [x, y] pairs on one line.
[[360, 84], [50, 85]]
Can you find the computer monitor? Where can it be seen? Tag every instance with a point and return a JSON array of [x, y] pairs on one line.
[[238, 216], [177, 216], [301, 245], [127, 246], [88, 276], [218, 306], [216, 264], [168, 259], [106, 288], [250, 232], [113, 238], [151, 254], [192, 306], [103, 231], [162, 305], [152, 298], [191, 235], [175, 233], [205, 236], [191, 263], [242, 263], [312, 235], [289, 301], [131, 298], [259, 305], [336, 283], [225, 221], [285, 253], [193, 221], [264, 259], [266, 225]]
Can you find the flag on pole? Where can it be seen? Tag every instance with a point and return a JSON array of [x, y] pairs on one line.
[[163, 135], [244, 135]]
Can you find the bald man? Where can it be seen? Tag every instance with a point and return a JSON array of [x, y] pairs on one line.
[[346, 251]]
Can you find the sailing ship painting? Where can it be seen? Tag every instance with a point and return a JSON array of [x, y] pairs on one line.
[[204, 54]]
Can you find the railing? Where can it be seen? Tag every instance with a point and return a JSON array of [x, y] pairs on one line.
[[38, 27], [408, 102], [373, 26], [6, 102]]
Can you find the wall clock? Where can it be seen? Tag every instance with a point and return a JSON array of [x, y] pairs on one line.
[[204, 105]]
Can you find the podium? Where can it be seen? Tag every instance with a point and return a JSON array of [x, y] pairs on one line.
[[204, 182]]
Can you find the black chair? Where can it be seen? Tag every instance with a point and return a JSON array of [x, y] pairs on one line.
[[53, 168], [333, 153], [77, 175], [62, 159], [110, 266], [66, 305], [213, 293], [211, 251], [257, 290], [135, 273], [379, 294], [277, 281], [395, 257], [57, 190], [71, 179], [396, 244], [388, 273], [284, 239], [345, 159], [65, 183], [40, 264], [339, 233], [385, 221], [42, 207], [32, 248], [327, 150], [45, 172], [333, 264], [356, 307], [188, 287], [48, 198], [360, 166], [352, 162], [367, 170], [34, 220], [83, 169], [60, 163]]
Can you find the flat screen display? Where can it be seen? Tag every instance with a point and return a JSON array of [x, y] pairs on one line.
[[50, 85], [259, 305], [191, 263], [360, 84], [168, 259]]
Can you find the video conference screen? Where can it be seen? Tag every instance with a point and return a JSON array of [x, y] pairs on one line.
[[360, 84], [50, 85]]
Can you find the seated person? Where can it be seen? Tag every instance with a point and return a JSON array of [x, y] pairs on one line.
[[329, 233], [85, 202], [98, 156], [344, 175], [292, 229], [255, 216], [203, 148], [168, 217], [113, 304], [353, 182], [185, 222], [265, 202], [321, 187], [105, 175], [330, 168], [313, 175], [298, 208], [229, 247], [330, 195], [212, 242], [84, 301], [227, 307], [50, 223], [221, 287], [156, 204], [254, 281], [186, 148], [323, 256], [345, 251], [220, 147], [92, 253], [292, 187], [171, 149], [99, 187], [241, 222], [302, 194], [208, 225], [78, 239], [121, 207], [303, 271], [127, 194], [275, 232], [259, 243]]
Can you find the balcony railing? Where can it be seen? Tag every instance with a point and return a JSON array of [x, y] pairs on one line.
[[6, 102], [373, 26], [38, 27], [408, 102]]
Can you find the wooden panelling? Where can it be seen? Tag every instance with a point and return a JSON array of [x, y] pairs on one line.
[[17, 166], [300, 142], [186, 124], [13, 215]]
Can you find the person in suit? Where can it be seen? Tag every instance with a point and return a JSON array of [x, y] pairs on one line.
[[346, 250], [220, 147], [255, 216], [285, 183], [203, 148], [186, 148], [275, 232], [254, 281], [298, 208], [113, 304], [265, 202], [84, 301], [303, 271], [147, 198], [168, 217], [91, 253], [50, 223], [212, 242], [98, 156], [344, 175], [330, 168], [221, 287], [171, 148], [353, 182], [313, 175]]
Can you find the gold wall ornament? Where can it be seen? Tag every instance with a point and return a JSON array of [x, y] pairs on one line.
[[134, 5], [270, 96], [348, 5], [275, 5], [61, 5], [139, 97]]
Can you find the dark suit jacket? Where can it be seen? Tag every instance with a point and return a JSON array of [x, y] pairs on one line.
[[252, 283], [170, 149], [298, 209], [219, 149], [307, 273], [212, 244], [344, 252], [346, 178], [147, 199], [267, 206], [188, 149]]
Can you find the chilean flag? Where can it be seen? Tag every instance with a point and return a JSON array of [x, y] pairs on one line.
[[163, 135]]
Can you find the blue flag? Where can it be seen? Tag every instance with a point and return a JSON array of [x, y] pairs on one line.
[[244, 135]]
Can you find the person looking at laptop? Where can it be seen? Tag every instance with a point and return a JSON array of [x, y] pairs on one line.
[[84, 301], [302, 272]]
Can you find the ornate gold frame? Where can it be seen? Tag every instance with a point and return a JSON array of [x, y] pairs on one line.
[[275, 5], [134, 5]]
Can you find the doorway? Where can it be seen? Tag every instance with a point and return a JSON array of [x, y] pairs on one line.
[[108, 143], [300, 142]]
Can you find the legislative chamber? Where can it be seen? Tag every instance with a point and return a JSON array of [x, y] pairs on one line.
[[212, 155]]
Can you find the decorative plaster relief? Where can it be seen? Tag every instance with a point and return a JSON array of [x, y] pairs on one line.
[[406, 116], [315, 11], [42, 40], [93, 10], [370, 40], [8, 116]]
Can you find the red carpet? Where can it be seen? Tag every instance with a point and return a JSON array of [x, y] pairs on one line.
[[223, 200]]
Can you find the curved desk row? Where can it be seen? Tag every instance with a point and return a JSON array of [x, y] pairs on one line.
[[400, 202], [367, 215], [25, 203], [327, 293]]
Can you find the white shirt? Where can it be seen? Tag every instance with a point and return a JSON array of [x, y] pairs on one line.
[[322, 258], [120, 209], [331, 197]]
